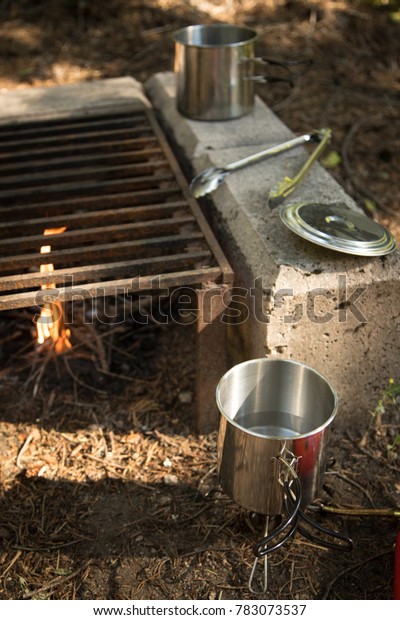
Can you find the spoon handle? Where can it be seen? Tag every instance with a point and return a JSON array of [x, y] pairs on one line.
[[274, 150], [288, 184]]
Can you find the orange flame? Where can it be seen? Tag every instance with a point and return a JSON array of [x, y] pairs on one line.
[[50, 324]]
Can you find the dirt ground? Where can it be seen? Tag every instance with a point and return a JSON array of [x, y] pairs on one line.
[[107, 491]]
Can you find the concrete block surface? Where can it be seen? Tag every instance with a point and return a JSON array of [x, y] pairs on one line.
[[71, 99]]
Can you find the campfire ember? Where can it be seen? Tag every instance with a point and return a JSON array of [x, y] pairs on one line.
[[50, 327]]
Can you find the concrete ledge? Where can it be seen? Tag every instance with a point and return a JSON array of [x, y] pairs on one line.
[[335, 312], [71, 99]]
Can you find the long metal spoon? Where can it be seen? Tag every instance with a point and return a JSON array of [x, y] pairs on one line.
[[210, 179]]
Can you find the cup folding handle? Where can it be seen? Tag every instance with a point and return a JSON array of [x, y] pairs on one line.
[[287, 65]]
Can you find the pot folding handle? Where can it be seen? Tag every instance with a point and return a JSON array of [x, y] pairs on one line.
[[285, 64]]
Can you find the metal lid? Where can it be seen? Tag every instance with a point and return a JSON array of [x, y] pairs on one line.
[[337, 227]]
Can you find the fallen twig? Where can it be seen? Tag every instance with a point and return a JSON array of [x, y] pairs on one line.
[[24, 449], [56, 582]]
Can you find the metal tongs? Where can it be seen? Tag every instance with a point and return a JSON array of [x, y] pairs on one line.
[[210, 179], [285, 187]]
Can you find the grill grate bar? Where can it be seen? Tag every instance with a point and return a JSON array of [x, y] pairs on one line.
[[23, 195], [139, 198], [192, 277], [63, 126], [71, 256], [77, 220], [68, 141], [72, 139], [89, 172], [79, 149], [131, 268], [116, 232], [66, 163]]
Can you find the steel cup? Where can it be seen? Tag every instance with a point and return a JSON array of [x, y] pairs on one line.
[[272, 408]]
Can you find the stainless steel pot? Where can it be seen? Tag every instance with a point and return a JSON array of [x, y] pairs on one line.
[[275, 418], [215, 68]]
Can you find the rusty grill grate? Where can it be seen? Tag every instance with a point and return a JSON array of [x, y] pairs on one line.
[[112, 181]]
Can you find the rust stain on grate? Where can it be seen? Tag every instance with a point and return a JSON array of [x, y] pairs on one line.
[[112, 181]]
